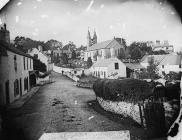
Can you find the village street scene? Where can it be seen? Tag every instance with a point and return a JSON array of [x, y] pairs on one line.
[[90, 70]]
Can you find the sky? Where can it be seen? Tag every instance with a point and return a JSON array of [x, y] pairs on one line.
[[69, 20]]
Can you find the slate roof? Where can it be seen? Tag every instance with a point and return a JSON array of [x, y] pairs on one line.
[[11, 48], [105, 62], [157, 58], [169, 59], [133, 66], [105, 44]]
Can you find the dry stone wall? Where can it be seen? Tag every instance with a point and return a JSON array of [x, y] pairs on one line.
[[126, 109]]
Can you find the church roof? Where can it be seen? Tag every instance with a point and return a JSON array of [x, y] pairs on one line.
[[102, 45]]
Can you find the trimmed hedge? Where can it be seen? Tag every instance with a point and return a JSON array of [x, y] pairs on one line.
[[87, 79], [131, 90]]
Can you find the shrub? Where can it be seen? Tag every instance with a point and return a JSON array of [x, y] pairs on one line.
[[87, 79], [172, 91], [173, 76], [132, 90]]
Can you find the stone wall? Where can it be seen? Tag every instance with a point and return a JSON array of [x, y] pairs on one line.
[[126, 109], [67, 72], [157, 115]]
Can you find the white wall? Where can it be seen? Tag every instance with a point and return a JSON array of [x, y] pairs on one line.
[[8, 73], [121, 71], [101, 70], [168, 68]]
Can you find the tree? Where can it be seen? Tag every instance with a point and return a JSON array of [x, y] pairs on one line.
[[24, 44], [136, 53], [38, 65], [121, 54], [124, 43], [151, 72], [64, 58], [152, 69], [140, 48], [89, 62], [54, 44], [73, 55]]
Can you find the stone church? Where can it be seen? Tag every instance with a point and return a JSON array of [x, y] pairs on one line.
[[103, 50]]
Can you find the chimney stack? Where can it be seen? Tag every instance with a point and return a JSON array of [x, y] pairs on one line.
[[118, 40], [4, 35]]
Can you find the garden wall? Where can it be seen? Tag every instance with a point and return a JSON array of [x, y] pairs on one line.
[[131, 110], [158, 116], [67, 72]]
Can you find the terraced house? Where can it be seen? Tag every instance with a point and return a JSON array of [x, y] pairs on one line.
[[15, 70]]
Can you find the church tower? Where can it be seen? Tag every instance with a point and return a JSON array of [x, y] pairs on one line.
[[94, 40], [89, 40]]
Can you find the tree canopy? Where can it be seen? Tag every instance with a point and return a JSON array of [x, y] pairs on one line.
[[89, 62], [64, 58]]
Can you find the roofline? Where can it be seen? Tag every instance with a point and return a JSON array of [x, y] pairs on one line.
[[106, 45], [19, 52]]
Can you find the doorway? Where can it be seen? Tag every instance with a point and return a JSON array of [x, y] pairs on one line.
[[7, 92], [20, 88]]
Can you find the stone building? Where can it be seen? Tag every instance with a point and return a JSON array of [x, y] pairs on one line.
[[106, 49], [16, 68]]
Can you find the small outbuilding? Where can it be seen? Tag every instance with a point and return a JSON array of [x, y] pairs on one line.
[[111, 68]]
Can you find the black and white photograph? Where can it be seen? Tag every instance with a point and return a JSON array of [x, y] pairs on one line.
[[90, 70]]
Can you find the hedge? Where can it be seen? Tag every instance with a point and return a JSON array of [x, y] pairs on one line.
[[132, 90]]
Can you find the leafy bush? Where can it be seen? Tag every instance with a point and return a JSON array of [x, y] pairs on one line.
[[87, 79], [173, 76], [132, 90], [172, 91]]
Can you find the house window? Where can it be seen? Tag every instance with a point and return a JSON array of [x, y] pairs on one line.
[[24, 63], [27, 63], [179, 66], [116, 66], [15, 63], [162, 66], [16, 88], [104, 74], [36, 55], [30, 64], [98, 74], [25, 83]]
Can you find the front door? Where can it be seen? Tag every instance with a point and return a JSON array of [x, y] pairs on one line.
[[7, 92]]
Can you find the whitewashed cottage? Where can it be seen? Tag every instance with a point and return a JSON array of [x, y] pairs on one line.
[[111, 68]]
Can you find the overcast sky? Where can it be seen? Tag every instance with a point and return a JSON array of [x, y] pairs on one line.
[[68, 20]]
